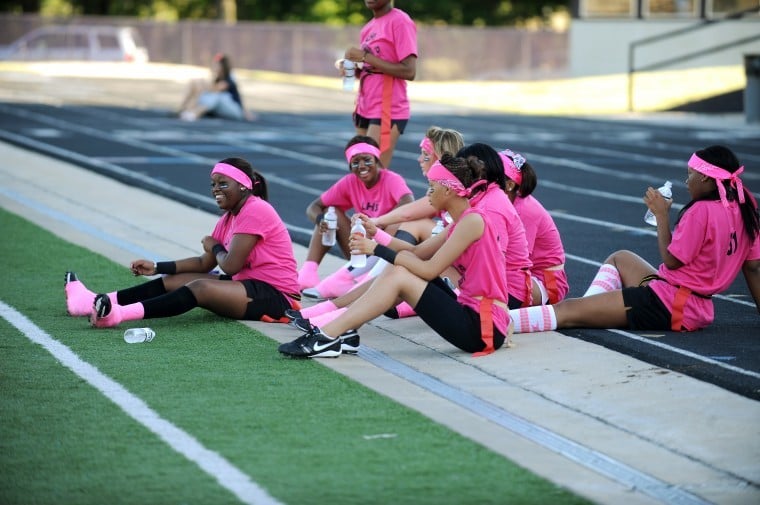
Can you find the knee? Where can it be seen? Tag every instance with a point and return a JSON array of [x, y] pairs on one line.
[[200, 289], [617, 256]]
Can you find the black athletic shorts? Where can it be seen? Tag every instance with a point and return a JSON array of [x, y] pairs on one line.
[[458, 324], [645, 310], [266, 300], [363, 123]]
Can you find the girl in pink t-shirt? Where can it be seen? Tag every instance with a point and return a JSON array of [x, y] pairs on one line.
[[249, 243], [388, 53], [368, 188], [476, 319], [544, 243], [716, 234]]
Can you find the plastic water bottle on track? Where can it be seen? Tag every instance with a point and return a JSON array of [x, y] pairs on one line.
[[667, 192], [331, 218], [358, 230]]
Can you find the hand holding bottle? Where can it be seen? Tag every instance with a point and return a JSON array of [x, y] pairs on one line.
[[658, 202]]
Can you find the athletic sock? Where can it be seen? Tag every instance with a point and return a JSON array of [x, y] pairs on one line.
[[606, 279], [327, 317], [170, 304], [318, 309], [532, 319], [144, 291]]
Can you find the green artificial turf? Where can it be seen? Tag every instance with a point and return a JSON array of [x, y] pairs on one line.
[[304, 433]]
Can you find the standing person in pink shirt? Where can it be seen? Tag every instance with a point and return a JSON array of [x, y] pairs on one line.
[[716, 235], [544, 242], [388, 54], [474, 320], [368, 188], [249, 242]]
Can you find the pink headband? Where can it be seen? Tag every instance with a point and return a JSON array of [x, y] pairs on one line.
[[362, 148], [720, 174], [233, 173], [513, 163], [427, 145], [440, 174]]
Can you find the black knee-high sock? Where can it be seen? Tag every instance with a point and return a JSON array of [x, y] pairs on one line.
[[406, 237], [144, 291], [170, 304]]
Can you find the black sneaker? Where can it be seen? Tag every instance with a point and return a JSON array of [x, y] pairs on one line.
[[292, 314], [302, 324], [313, 344], [349, 342]]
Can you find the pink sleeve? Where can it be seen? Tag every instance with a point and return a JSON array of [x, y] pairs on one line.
[[405, 38], [689, 234], [754, 250], [398, 186], [339, 194]]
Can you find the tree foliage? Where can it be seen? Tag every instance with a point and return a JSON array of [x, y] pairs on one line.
[[339, 12]]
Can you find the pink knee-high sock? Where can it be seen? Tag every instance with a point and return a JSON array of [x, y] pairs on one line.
[[532, 319], [318, 309], [606, 279], [132, 312], [328, 317]]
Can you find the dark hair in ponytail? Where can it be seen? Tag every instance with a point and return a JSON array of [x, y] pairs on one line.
[[259, 183], [467, 170], [494, 168]]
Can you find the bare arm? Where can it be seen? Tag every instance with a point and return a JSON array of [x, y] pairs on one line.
[[469, 229], [417, 209], [314, 209], [405, 69], [235, 259], [660, 207], [751, 270]]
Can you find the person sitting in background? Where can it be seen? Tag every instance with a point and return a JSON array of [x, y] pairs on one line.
[[368, 188], [715, 235], [249, 242], [219, 97]]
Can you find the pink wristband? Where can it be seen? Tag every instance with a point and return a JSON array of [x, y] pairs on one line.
[[382, 238]]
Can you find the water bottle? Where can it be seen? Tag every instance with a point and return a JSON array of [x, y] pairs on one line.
[[138, 335], [358, 230], [667, 193], [348, 75], [331, 218], [438, 228]]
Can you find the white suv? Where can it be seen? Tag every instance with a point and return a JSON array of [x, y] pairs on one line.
[[78, 42]]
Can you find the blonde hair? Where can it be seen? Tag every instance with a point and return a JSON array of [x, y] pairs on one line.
[[445, 140]]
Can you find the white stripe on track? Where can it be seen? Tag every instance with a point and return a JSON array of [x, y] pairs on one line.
[[209, 461]]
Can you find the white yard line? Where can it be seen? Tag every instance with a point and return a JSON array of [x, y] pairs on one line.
[[227, 475]]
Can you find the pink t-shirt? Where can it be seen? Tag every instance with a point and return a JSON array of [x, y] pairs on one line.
[[500, 208], [391, 37], [711, 243], [271, 260], [351, 193], [483, 270], [544, 242]]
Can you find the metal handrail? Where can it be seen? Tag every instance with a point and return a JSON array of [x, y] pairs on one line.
[[689, 56]]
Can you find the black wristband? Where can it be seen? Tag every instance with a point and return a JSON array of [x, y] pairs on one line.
[[386, 253], [166, 267], [218, 248], [319, 217]]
